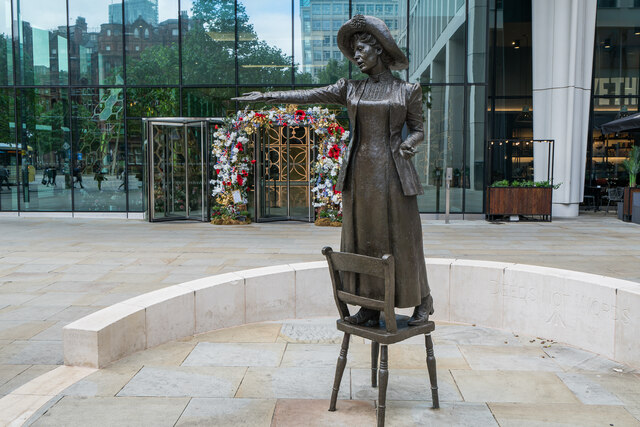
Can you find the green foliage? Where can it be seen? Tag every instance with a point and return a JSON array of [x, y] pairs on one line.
[[333, 71], [332, 214], [632, 165], [524, 184]]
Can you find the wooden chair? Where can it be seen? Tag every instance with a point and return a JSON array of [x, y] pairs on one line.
[[392, 329]]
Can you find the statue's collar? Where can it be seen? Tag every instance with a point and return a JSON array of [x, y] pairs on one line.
[[383, 76]]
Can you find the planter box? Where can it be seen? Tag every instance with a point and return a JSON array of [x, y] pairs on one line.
[[519, 201], [629, 194]]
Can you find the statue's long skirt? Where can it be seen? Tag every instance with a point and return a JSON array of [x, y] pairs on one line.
[[378, 218]]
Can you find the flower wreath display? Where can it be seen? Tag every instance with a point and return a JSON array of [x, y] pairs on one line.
[[232, 151]]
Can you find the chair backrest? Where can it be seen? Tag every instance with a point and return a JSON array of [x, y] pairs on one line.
[[615, 194], [378, 267]]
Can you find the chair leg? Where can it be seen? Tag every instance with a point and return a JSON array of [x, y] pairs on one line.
[[342, 362], [375, 349], [383, 381], [431, 366]]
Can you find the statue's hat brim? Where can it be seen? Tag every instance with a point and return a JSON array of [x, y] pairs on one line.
[[378, 29]]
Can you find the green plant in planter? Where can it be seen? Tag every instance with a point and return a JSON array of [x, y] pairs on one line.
[[524, 184], [632, 165]]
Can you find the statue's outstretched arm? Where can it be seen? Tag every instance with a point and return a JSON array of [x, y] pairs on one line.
[[332, 94]]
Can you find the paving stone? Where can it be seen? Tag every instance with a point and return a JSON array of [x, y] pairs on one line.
[[255, 332], [588, 391], [464, 335], [105, 382], [20, 329], [421, 414], [73, 411], [32, 353], [31, 312], [292, 383], [228, 412], [577, 360], [311, 333], [315, 355], [560, 414], [28, 374], [8, 372], [170, 354], [314, 413], [405, 384], [235, 354], [512, 386], [508, 358], [184, 381]]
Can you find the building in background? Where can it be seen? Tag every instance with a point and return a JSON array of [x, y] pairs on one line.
[[77, 78]]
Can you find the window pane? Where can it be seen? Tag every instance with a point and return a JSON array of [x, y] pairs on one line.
[[208, 42], [151, 43], [437, 42], [207, 102], [95, 30], [477, 41], [6, 52], [512, 118], [137, 165], [45, 169], [510, 39], [152, 102], [315, 61], [42, 40], [443, 149], [472, 179], [264, 41], [99, 161], [10, 157]]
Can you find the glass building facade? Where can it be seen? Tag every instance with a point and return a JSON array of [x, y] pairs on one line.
[[77, 77]]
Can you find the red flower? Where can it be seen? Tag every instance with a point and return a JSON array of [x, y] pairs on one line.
[[341, 130], [253, 162], [300, 115], [216, 126], [239, 178], [239, 146], [334, 152]]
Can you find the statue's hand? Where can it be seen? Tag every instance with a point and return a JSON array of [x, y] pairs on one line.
[[407, 151], [252, 97]]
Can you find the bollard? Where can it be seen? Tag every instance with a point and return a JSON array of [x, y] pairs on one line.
[[449, 177]]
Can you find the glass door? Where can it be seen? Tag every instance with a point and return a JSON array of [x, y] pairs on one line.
[[177, 163], [283, 174]]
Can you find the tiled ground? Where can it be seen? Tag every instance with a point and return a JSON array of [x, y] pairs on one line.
[[270, 374], [54, 271]]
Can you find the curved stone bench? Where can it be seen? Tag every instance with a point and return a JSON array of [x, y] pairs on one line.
[[597, 313]]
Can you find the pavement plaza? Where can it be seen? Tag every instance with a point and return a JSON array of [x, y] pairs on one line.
[[54, 271]]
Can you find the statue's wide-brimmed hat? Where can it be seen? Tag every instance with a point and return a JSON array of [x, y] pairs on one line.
[[378, 29]]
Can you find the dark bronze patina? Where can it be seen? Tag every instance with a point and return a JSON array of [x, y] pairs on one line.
[[378, 181]]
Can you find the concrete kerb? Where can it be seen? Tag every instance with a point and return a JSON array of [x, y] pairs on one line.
[[597, 313]]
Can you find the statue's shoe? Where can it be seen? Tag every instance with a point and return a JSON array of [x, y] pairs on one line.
[[363, 316]]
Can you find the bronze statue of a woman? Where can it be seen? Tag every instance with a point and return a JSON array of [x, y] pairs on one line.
[[378, 181]]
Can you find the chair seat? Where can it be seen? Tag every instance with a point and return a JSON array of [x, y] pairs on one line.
[[379, 334]]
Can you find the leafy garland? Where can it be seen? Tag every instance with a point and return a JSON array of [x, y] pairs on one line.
[[233, 153]]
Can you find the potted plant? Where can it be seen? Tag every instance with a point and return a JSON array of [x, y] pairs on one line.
[[632, 166], [520, 198]]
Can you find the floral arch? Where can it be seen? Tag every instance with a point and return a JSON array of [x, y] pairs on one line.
[[233, 157]]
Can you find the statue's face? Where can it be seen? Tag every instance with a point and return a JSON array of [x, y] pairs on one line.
[[366, 57]]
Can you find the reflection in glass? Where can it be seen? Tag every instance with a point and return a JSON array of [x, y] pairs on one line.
[[209, 102], [443, 149], [99, 160], [96, 52], [152, 102], [317, 56], [6, 51], [477, 41], [264, 41], [45, 167], [10, 156], [151, 41], [512, 118], [42, 43], [474, 149], [208, 42], [510, 41], [136, 166], [437, 42]]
